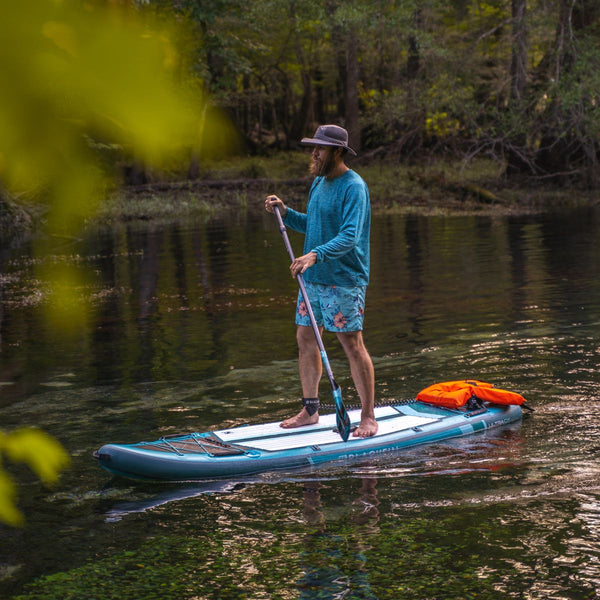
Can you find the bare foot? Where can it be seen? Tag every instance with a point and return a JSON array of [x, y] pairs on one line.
[[367, 428], [300, 420]]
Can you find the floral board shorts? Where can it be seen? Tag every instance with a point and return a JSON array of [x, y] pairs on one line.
[[336, 308]]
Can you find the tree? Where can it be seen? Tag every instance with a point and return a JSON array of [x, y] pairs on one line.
[[516, 148], [511, 78], [518, 65], [345, 21], [569, 125]]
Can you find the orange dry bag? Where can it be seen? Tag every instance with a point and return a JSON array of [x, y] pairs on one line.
[[454, 394]]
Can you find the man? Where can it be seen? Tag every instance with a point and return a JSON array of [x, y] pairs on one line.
[[335, 269]]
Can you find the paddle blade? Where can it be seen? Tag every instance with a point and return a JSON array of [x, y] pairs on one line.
[[341, 415]]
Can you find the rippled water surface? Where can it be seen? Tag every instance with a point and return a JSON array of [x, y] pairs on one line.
[[190, 328]]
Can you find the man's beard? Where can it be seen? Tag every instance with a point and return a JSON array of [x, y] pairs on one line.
[[320, 169]]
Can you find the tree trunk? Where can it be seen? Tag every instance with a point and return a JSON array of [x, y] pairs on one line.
[[413, 59], [516, 150], [338, 43], [414, 124], [352, 110], [518, 65], [305, 113], [566, 148], [304, 116], [319, 97]]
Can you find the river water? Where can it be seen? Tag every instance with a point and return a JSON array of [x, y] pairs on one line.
[[189, 327]]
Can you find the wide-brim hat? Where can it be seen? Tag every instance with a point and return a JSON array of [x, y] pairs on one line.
[[329, 135]]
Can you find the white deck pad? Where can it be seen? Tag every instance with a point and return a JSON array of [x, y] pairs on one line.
[[271, 437]]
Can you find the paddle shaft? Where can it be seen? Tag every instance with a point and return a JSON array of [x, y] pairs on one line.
[[309, 309], [342, 418]]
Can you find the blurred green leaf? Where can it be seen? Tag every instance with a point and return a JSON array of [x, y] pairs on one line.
[[8, 511], [40, 451]]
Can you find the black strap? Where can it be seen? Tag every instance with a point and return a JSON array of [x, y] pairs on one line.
[[311, 405], [474, 403]]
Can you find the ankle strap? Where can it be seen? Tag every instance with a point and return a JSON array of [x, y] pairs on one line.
[[311, 405]]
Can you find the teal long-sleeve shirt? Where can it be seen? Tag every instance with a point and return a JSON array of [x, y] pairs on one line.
[[337, 225]]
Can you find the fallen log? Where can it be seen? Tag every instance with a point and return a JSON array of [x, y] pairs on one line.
[[463, 190], [214, 184]]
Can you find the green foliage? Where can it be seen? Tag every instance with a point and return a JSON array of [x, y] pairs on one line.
[[439, 124], [41, 452], [577, 92], [433, 76], [8, 510]]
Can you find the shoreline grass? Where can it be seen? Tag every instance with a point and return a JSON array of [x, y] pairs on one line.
[[441, 187], [432, 188]]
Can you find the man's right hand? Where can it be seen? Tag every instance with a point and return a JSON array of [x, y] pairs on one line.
[[300, 264], [271, 201]]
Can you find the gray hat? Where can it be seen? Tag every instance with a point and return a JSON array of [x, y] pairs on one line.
[[329, 135]]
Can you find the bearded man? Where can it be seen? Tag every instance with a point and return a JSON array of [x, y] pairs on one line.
[[335, 269]]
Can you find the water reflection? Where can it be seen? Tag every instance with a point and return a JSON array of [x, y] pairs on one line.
[[588, 543], [180, 303], [185, 334], [121, 509], [335, 566]]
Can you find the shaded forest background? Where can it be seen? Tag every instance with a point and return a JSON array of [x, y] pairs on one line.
[[136, 91], [518, 80]]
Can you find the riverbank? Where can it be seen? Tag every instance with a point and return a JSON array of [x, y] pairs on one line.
[[434, 188], [437, 188]]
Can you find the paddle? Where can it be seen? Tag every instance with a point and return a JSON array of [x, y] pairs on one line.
[[341, 415]]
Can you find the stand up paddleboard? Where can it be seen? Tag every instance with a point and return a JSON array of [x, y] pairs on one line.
[[257, 448]]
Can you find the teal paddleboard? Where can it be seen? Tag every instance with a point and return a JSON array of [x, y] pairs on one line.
[[253, 449]]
